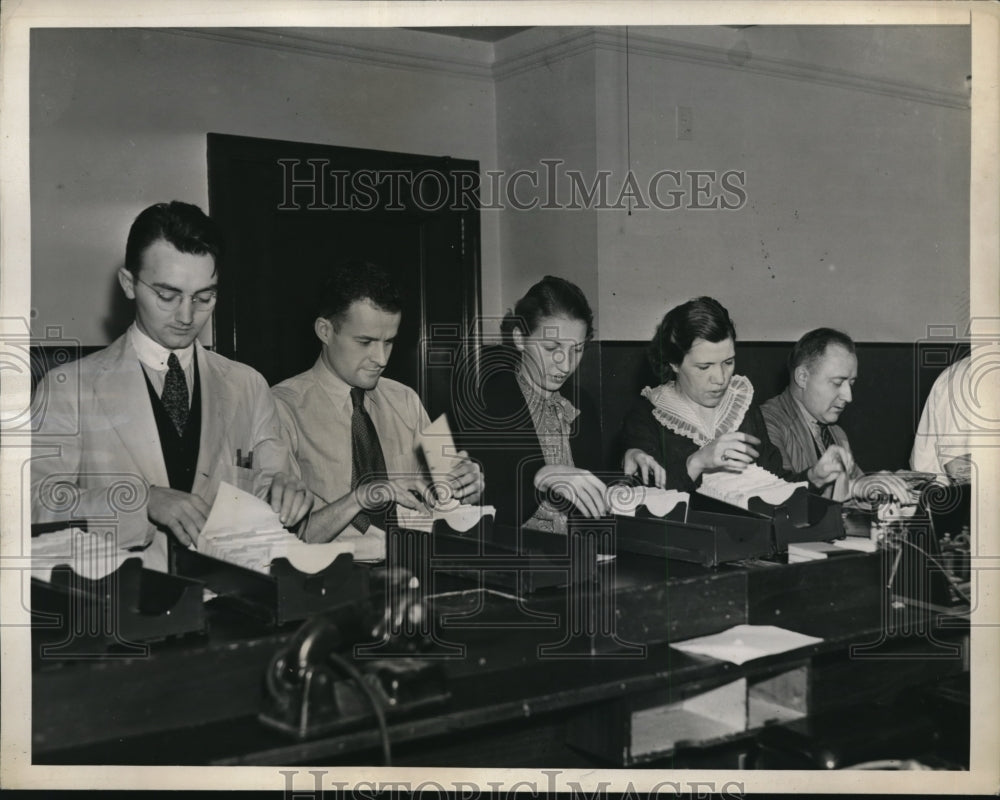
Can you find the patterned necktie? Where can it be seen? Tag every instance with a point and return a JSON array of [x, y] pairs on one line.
[[826, 436], [367, 461], [175, 394]]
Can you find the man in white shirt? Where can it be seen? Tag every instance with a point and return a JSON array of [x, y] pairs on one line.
[[942, 443], [138, 436], [353, 432]]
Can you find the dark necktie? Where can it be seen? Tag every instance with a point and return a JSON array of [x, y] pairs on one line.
[[175, 394], [367, 461], [826, 436]]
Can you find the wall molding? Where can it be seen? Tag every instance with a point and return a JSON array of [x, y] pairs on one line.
[[523, 58], [572, 43], [395, 57], [613, 40], [781, 68]]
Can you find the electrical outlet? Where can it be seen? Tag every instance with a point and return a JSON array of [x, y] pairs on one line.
[[684, 122]]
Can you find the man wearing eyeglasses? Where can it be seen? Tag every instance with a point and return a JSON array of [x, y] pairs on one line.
[[140, 434]]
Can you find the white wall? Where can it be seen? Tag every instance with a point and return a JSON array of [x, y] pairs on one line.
[[855, 147], [119, 118], [856, 213], [547, 112], [854, 142]]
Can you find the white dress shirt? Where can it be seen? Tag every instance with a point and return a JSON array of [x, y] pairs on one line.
[[153, 357]]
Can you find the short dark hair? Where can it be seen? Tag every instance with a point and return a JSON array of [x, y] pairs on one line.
[[813, 345], [550, 297], [183, 225], [700, 318], [356, 280]]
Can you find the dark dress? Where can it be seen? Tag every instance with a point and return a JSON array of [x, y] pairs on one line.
[[672, 450], [501, 437]]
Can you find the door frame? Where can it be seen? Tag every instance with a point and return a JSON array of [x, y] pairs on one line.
[[226, 152]]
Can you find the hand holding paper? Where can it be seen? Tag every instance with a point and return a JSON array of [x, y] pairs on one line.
[[582, 488], [235, 510], [182, 513], [834, 465], [244, 530], [453, 473], [290, 498], [639, 462]]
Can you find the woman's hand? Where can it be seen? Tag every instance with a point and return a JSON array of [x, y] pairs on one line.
[[639, 461], [734, 451], [585, 491]]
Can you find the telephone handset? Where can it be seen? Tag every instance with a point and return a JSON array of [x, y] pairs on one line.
[[314, 686]]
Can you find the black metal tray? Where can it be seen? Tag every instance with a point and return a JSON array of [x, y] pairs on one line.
[[285, 595], [79, 617]]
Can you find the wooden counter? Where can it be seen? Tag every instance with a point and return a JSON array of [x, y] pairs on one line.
[[578, 674]]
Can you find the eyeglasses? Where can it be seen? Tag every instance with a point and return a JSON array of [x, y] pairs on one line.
[[170, 299]]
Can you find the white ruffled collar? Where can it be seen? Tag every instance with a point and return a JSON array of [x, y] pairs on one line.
[[674, 410]]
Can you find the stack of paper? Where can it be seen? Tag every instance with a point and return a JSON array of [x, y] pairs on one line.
[[243, 529], [438, 447], [814, 551], [743, 643], [624, 500], [736, 488], [439, 450], [90, 554], [857, 543], [458, 517]]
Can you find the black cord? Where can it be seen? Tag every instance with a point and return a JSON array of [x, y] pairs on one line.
[[628, 119], [940, 566], [376, 704]]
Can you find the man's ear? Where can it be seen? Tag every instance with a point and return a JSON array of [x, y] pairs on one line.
[[518, 337], [801, 376], [127, 283], [324, 329]]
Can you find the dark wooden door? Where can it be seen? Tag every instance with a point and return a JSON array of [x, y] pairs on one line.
[[291, 210]]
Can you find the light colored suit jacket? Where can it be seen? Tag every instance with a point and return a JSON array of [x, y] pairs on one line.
[[96, 449]]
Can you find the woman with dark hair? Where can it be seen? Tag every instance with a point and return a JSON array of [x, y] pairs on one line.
[[701, 418], [536, 447]]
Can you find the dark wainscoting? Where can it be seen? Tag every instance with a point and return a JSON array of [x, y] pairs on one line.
[[892, 386]]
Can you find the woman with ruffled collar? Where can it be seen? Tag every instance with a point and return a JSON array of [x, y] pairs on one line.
[[702, 417], [537, 447]]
